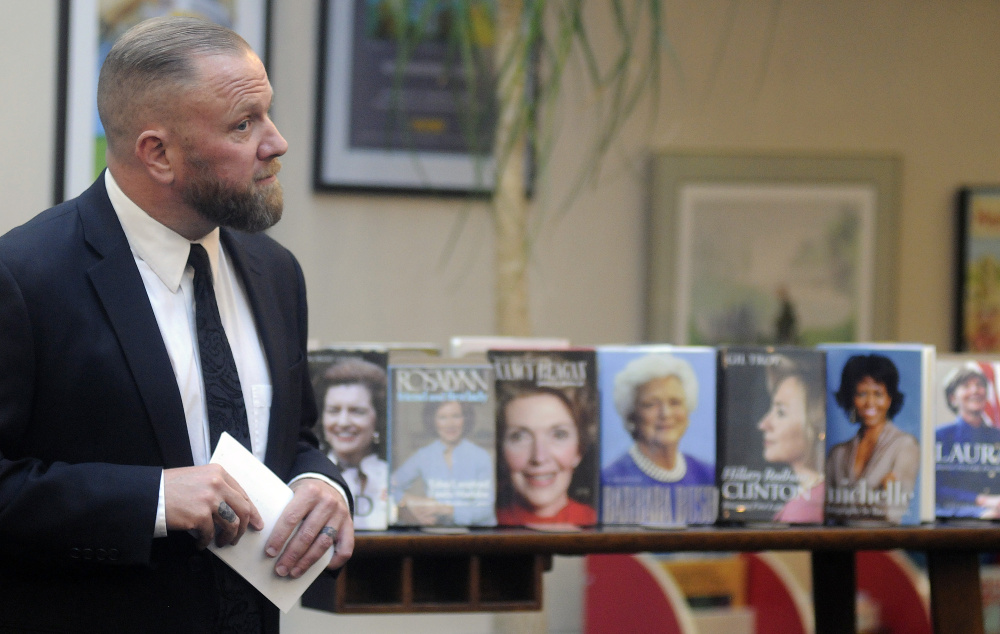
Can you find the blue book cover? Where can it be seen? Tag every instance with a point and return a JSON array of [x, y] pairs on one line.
[[880, 462], [657, 435], [967, 437], [442, 444]]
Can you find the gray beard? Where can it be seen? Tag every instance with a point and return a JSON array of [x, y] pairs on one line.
[[250, 209]]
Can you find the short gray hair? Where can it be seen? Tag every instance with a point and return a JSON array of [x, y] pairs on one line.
[[643, 370], [151, 60]]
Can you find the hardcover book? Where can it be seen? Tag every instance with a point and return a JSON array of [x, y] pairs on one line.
[[967, 437], [350, 389], [442, 444], [657, 435], [880, 433], [772, 426], [547, 417]]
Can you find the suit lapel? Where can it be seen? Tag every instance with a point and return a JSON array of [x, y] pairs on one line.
[[120, 290]]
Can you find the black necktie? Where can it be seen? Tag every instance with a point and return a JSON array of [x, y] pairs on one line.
[[223, 395]]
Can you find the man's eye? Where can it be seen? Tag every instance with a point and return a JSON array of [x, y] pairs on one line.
[[243, 126]]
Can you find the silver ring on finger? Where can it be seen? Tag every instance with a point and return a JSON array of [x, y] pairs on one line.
[[226, 512], [329, 530]]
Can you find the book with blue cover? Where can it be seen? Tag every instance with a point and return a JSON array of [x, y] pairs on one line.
[[657, 435], [880, 433], [442, 447], [967, 437]]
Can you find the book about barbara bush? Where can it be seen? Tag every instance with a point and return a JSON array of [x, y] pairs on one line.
[[657, 435], [547, 418], [967, 437], [772, 426], [350, 389], [442, 446], [880, 433]]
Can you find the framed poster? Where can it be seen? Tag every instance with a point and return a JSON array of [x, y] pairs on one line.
[[977, 302], [87, 30], [759, 250], [404, 117]]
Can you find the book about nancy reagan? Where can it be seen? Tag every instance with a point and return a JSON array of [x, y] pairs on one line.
[[772, 425], [442, 443], [880, 433], [350, 389], [967, 437], [657, 435], [547, 417]]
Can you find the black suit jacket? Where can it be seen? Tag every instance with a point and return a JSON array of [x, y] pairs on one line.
[[90, 413]]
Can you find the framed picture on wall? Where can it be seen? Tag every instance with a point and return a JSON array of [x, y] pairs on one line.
[[977, 301], [792, 250], [406, 118], [87, 30]]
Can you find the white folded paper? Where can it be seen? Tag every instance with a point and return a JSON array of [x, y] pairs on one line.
[[270, 495]]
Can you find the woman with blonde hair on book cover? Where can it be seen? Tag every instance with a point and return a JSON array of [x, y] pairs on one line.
[[794, 430]]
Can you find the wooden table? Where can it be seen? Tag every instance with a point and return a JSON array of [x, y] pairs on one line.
[[501, 569]]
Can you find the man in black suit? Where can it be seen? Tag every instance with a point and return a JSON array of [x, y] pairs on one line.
[[106, 499]]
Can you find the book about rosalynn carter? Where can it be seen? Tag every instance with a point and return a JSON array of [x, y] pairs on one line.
[[880, 433], [658, 437], [442, 445]]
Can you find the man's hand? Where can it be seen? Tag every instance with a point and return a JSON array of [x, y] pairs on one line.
[[326, 521], [209, 502]]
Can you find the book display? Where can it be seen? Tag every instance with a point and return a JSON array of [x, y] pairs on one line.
[[772, 425], [657, 435], [880, 447], [967, 437], [483, 568], [547, 418], [442, 444]]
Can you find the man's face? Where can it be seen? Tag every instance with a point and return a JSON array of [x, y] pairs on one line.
[[230, 146]]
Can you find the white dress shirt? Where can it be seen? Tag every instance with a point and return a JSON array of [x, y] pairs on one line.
[[161, 257]]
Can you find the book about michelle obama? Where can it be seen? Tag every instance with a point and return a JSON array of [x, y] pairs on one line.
[[547, 417], [442, 446], [880, 433], [772, 426], [657, 435], [967, 437], [350, 388]]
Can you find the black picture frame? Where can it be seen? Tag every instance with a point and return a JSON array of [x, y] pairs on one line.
[[352, 157]]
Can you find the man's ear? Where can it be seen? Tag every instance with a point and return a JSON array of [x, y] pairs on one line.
[[151, 152]]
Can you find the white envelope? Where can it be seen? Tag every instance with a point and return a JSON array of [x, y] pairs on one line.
[[270, 495]]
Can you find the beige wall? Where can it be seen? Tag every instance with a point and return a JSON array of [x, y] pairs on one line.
[[915, 78], [919, 79]]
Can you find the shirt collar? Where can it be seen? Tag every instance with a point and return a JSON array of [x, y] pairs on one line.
[[164, 250]]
